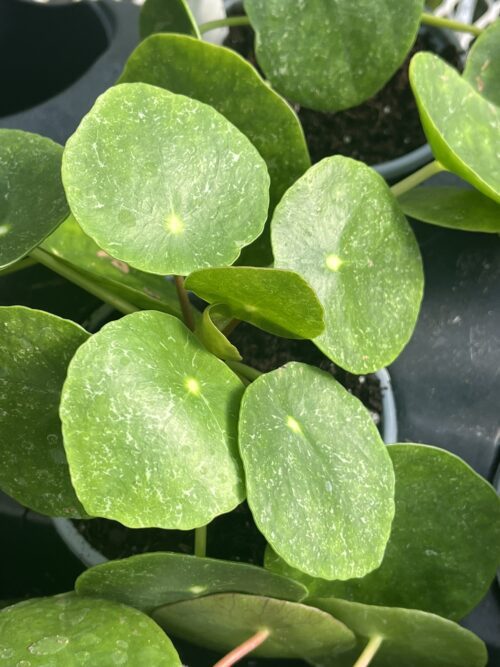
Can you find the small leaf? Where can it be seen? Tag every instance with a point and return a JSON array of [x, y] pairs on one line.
[[324, 54], [277, 301], [319, 479], [410, 637], [167, 16], [32, 199], [221, 622], [212, 337], [149, 423], [446, 103], [152, 580], [164, 182], [451, 207], [69, 630], [35, 351], [482, 69], [341, 228]]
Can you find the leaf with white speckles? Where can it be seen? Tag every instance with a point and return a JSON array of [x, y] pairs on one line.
[[277, 301], [32, 199], [444, 547], [35, 350], [211, 335], [150, 425], [332, 55], [482, 68], [167, 16], [164, 182], [221, 622], [68, 630], [341, 228], [320, 482], [447, 103], [148, 581]]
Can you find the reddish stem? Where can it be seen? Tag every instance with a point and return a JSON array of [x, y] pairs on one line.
[[244, 649]]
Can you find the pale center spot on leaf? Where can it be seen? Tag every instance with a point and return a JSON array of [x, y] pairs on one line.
[[333, 262], [174, 224], [4, 229], [250, 309], [193, 386], [197, 589], [293, 424]]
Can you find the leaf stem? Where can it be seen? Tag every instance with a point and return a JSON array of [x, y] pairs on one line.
[[230, 327], [418, 177], [200, 542], [242, 369], [369, 651], [223, 23], [82, 281], [185, 304], [24, 263], [244, 649], [442, 22]]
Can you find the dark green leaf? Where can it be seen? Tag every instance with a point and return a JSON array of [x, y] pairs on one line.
[[167, 16], [482, 68]]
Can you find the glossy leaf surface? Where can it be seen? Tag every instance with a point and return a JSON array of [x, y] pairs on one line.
[[482, 68], [167, 16]]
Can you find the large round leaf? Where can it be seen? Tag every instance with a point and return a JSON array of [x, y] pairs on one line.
[[319, 479], [482, 68], [32, 199], [410, 638], [446, 103], [148, 581], [35, 351], [277, 301], [341, 228], [332, 55], [69, 631], [164, 182], [149, 423], [221, 622], [167, 16]]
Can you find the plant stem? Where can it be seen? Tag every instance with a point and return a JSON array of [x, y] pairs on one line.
[[200, 542], [18, 266], [187, 313], [74, 276], [223, 23], [369, 652], [228, 330], [418, 177], [441, 22], [244, 649], [242, 369]]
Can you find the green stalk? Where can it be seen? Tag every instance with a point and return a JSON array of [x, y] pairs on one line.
[[184, 302], [18, 266], [418, 177], [200, 542], [242, 369], [224, 23], [370, 651], [441, 22]]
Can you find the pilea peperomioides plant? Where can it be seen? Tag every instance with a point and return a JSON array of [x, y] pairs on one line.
[[181, 179]]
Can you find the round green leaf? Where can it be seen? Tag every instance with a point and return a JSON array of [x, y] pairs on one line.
[[482, 68], [341, 228], [167, 16], [456, 208], [410, 638], [277, 301], [319, 479], [32, 199], [211, 335], [69, 631], [221, 622], [149, 422], [148, 581], [164, 182], [332, 55], [447, 103], [35, 351]]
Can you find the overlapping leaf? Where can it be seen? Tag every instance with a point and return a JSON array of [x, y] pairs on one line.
[[208, 330], [167, 16], [482, 68]]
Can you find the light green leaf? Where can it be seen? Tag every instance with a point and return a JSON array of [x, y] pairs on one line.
[[319, 479], [221, 622], [152, 580], [149, 423], [67, 630], [211, 335], [482, 68], [32, 199], [410, 638], [341, 228], [456, 208], [334, 55], [277, 301], [164, 182], [447, 103], [167, 16], [35, 351]]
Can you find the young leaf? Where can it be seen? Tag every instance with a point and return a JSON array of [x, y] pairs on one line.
[[409, 637], [32, 199], [277, 301], [482, 69], [319, 479], [446, 103], [341, 228], [167, 16], [35, 352], [221, 622], [149, 423], [164, 182], [444, 547], [69, 630], [212, 337], [456, 208], [334, 55], [152, 580]]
